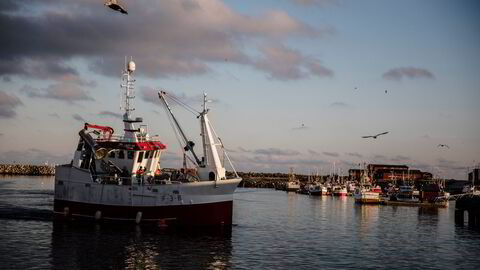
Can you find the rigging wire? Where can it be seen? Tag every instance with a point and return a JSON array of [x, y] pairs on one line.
[[170, 120], [185, 105]]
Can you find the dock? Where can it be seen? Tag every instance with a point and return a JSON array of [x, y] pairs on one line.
[[437, 204], [469, 203]]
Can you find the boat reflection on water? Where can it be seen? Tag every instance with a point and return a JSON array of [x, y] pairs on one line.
[[86, 246], [367, 216], [428, 216]]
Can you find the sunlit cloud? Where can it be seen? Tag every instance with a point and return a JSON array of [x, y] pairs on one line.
[[283, 63], [206, 32]]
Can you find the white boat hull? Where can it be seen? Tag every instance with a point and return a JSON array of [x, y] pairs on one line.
[[192, 203], [366, 197]]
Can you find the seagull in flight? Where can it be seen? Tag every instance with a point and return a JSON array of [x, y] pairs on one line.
[[113, 4], [443, 145], [375, 136]]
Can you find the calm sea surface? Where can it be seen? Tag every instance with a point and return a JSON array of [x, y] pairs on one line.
[[273, 230]]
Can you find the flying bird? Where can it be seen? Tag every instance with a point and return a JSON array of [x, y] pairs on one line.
[[443, 145], [113, 4], [302, 126], [375, 136]]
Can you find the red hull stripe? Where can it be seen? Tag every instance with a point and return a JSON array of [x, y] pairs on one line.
[[147, 146], [219, 213]]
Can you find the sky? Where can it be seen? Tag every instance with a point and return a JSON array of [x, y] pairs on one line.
[[294, 83]]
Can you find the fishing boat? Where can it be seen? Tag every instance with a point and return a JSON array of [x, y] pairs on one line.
[[404, 194], [363, 192], [293, 184], [316, 189], [118, 176], [340, 191]]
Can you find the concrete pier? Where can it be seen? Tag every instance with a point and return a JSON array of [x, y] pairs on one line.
[[471, 204]]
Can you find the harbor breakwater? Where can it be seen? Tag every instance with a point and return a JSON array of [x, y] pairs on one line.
[[19, 169], [268, 180]]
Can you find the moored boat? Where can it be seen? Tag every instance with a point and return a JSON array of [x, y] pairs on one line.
[[340, 191], [363, 192], [118, 177], [364, 195], [316, 189], [293, 184]]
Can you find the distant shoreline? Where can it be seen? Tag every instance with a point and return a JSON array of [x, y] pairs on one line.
[[19, 169]]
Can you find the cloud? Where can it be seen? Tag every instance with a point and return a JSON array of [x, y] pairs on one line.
[[78, 118], [8, 103], [42, 38], [357, 155], [319, 3], [339, 104], [283, 63], [269, 163], [398, 74], [54, 115], [380, 158], [33, 156], [110, 114], [149, 94], [241, 149], [311, 152], [276, 152], [1, 134], [66, 92], [331, 154], [449, 165], [401, 159]]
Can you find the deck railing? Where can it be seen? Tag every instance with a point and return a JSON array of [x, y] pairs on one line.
[[119, 138]]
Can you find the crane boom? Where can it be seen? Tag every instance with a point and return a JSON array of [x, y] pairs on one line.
[[107, 131], [188, 144]]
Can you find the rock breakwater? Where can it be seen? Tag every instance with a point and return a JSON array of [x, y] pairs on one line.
[[19, 169]]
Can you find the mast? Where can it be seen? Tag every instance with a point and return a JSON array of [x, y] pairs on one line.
[[211, 161], [128, 95]]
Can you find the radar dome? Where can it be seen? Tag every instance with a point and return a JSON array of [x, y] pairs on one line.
[[131, 66]]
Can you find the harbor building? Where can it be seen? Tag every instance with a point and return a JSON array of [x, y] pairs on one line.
[[387, 173]]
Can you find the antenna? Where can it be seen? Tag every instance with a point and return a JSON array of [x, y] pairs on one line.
[[128, 83]]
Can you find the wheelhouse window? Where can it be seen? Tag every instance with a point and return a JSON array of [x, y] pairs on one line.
[[130, 154], [140, 157], [121, 154], [147, 153]]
